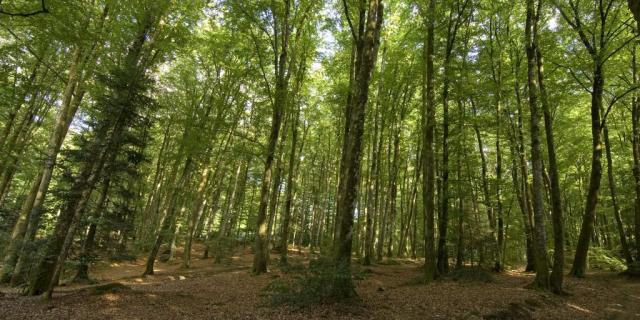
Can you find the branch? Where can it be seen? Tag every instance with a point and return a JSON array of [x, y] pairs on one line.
[[261, 62], [43, 9], [624, 44], [613, 101], [576, 24], [37, 56], [573, 75], [346, 13]]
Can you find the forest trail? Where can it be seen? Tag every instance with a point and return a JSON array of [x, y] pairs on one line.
[[229, 291]]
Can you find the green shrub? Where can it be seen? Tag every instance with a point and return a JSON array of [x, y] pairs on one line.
[[223, 248], [292, 267], [321, 283], [389, 262], [469, 274], [602, 259]]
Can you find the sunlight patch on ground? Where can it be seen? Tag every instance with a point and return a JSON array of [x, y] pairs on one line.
[[111, 297], [573, 306]]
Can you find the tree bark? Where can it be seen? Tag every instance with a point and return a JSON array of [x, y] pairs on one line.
[[539, 235], [195, 216], [169, 220], [580, 260], [556, 198], [634, 6], [368, 44], [428, 124], [82, 275], [261, 249], [291, 176]]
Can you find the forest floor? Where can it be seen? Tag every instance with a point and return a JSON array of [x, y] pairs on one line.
[[229, 291]]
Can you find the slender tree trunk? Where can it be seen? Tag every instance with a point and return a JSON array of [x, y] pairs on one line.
[[485, 179], [195, 216], [496, 74], [82, 275], [393, 191], [18, 233], [275, 188], [261, 255], [443, 257], [461, 208], [368, 44], [371, 186], [635, 120], [428, 165], [288, 204], [72, 97], [539, 235], [580, 261], [556, 200], [169, 220]]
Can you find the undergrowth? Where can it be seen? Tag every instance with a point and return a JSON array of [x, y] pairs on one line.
[[469, 274], [320, 283]]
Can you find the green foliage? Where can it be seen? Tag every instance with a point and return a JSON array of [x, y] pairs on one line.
[[469, 275], [389, 262], [223, 248], [321, 283], [605, 260]]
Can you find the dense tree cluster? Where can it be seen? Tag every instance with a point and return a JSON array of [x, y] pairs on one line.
[[461, 132]]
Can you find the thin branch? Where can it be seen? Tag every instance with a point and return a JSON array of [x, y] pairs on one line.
[[607, 57], [573, 74], [346, 12], [613, 101], [37, 56], [261, 63], [576, 24]]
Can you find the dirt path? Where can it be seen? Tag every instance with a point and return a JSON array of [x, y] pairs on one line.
[[229, 291]]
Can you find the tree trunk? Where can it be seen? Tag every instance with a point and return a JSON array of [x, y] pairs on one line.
[[169, 220], [539, 235], [72, 97], [371, 186], [556, 200], [82, 275], [485, 180], [17, 235], [580, 261], [368, 44], [195, 216], [291, 176], [428, 165], [261, 255], [635, 120]]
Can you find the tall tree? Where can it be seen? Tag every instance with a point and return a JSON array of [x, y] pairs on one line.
[[428, 157], [367, 40], [601, 47], [539, 234]]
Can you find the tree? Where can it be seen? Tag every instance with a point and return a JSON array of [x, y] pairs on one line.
[[428, 161], [367, 39], [600, 49]]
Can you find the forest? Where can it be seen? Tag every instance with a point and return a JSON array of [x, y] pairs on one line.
[[304, 159]]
